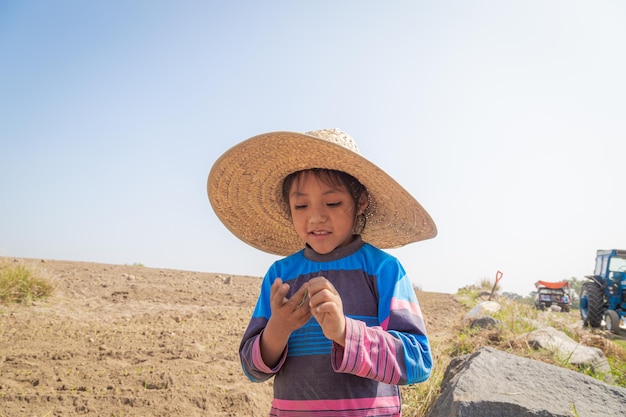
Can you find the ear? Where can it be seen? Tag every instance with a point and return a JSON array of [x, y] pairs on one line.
[[363, 203]]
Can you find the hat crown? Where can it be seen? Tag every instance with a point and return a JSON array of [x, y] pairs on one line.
[[337, 137]]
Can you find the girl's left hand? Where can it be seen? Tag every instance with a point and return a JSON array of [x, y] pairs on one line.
[[327, 308]]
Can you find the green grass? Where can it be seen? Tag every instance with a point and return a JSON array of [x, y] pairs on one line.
[[20, 285], [517, 319], [620, 343]]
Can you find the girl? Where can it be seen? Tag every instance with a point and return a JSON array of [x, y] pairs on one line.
[[337, 323]]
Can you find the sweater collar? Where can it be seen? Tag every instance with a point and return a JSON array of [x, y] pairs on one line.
[[338, 253]]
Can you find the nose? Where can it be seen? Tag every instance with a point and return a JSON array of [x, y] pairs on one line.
[[318, 214]]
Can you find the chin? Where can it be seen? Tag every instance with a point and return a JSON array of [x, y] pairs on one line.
[[321, 251]]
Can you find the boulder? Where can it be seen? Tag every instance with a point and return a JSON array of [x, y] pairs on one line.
[[568, 351], [482, 309], [492, 383]]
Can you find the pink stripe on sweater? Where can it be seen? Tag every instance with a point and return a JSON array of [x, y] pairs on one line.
[[414, 308], [257, 359], [369, 353], [344, 404], [397, 304]]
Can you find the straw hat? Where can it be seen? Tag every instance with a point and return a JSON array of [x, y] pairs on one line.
[[245, 190]]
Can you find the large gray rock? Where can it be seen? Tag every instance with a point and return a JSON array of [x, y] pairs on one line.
[[568, 351], [492, 383]]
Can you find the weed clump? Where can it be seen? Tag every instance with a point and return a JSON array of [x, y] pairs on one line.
[[20, 285]]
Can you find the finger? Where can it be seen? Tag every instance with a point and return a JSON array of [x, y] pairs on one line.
[[278, 292], [303, 313], [318, 281], [322, 295], [318, 284], [328, 307]]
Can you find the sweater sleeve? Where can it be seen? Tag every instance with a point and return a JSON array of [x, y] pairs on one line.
[[250, 348], [397, 351]]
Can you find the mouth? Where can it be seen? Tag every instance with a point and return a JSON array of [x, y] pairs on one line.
[[319, 232]]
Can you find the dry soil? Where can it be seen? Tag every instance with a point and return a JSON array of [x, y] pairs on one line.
[[120, 340]]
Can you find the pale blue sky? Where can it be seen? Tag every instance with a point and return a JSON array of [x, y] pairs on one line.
[[506, 120]]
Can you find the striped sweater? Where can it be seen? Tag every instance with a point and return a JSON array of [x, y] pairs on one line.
[[386, 343]]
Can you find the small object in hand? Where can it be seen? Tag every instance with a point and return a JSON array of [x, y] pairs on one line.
[[304, 297]]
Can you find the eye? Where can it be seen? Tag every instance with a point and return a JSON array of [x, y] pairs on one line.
[[299, 206], [337, 204]]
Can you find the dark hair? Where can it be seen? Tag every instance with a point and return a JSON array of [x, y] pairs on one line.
[[330, 177]]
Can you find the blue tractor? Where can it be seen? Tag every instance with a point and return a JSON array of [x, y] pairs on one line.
[[604, 296]]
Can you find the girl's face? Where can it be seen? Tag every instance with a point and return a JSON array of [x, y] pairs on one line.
[[322, 214]]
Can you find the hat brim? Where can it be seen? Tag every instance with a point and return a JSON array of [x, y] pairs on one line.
[[245, 191]]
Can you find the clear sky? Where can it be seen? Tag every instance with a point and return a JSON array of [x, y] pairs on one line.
[[505, 119]]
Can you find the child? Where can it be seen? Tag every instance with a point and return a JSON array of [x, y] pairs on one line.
[[337, 323]]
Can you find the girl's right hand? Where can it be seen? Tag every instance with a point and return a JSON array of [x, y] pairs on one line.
[[287, 316], [291, 313]]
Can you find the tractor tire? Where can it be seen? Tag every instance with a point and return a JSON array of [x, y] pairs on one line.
[[592, 304], [611, 318]]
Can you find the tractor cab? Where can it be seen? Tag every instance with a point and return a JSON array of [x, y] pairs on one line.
[[610, 262]]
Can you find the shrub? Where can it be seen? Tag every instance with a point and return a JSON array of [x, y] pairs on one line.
[[20, 285]]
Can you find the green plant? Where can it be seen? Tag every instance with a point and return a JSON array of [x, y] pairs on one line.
[[20, 285], [618, 369], [466, 342], [468, 296]]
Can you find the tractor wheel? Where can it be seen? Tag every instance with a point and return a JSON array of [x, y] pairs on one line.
[[591, 304], [611, 318]]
